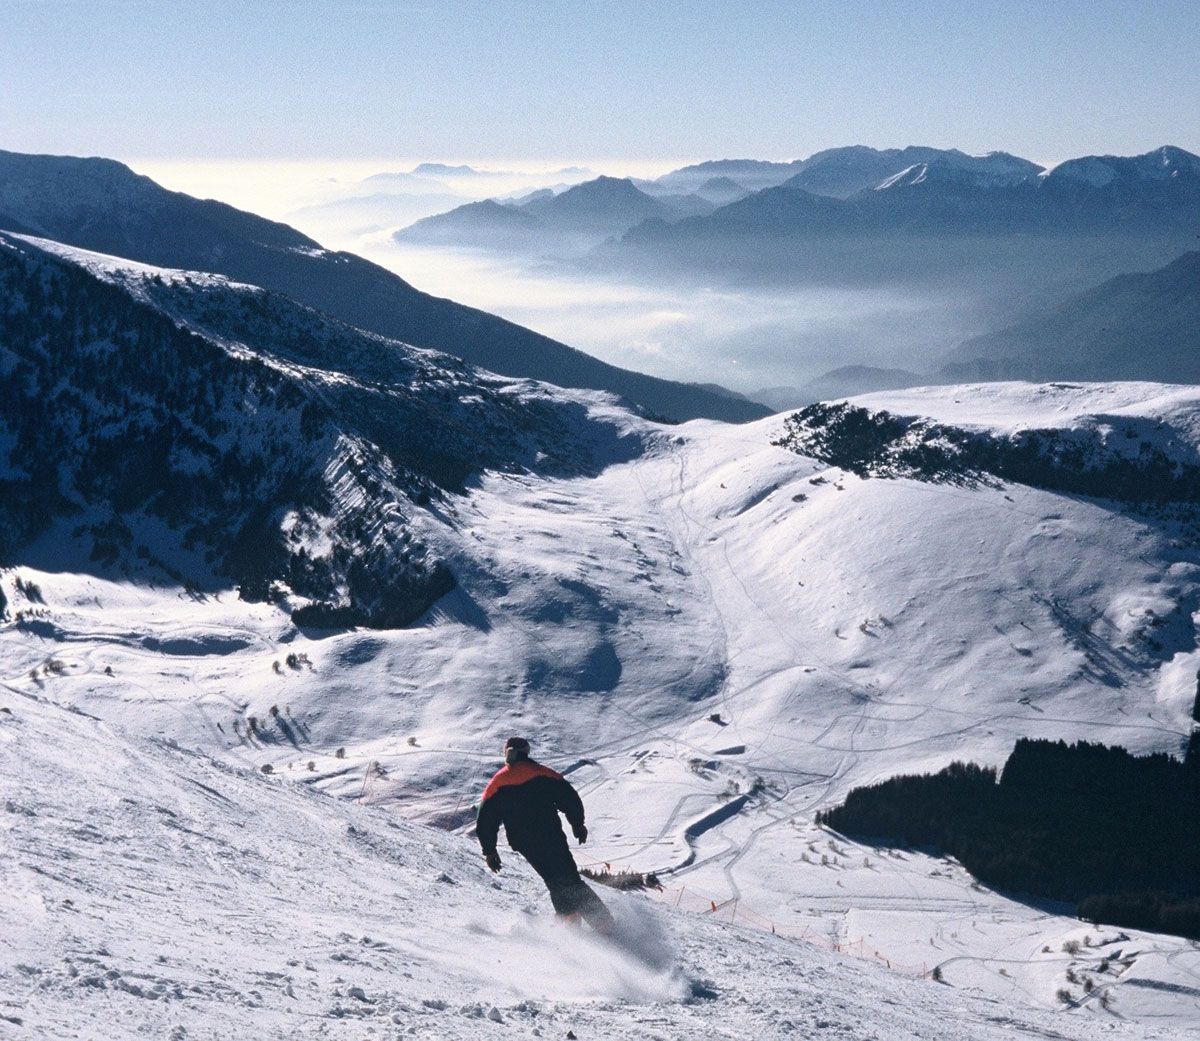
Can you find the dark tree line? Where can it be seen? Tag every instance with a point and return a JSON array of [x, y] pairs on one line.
[[1083, 461], [1114, 833]]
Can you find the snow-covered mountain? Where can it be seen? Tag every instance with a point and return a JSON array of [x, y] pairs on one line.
[[101, 205], [990, 220], [170, 416], [1127, 173], [716, 631], [716, 637], [841, 172], [991, 194]]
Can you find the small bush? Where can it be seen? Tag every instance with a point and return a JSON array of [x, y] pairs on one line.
[[1064, 995], [31, 591]]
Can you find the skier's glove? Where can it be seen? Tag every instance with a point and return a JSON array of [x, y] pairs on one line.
[[581, 834], [492, 860]]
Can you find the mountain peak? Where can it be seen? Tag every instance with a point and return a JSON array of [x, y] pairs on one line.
[[602, 197], [606, 186], [444, 170], [1097, 171]]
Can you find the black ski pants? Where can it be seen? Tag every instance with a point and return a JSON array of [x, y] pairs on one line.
[[569, 893]]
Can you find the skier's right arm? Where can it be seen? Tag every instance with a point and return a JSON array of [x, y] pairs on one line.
[[487, 826]]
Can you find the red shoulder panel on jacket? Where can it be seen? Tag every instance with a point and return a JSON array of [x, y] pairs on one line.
[[518, 773]]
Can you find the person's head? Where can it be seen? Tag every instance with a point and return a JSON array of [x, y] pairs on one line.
[[515, 749]]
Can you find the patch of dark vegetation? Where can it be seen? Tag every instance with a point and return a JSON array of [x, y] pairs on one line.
[[384, 608], [1114, 833], [1125, 458], [30, 590], [1156, 912]]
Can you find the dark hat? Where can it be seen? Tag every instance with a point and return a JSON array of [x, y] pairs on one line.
[[519, 743]]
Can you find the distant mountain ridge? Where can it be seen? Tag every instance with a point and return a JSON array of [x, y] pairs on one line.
[[1137, 326], [593, 210], [840, 172], [843, 382], [997, 223], [102, 205], [942, 192], [753, 174]]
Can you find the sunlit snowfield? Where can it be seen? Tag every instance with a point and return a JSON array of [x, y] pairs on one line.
[[716, 640]]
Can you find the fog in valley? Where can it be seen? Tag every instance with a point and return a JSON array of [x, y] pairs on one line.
[[797, 281], [751, 332]]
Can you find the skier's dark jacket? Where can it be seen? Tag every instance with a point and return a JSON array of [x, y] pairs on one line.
[[527, 797]]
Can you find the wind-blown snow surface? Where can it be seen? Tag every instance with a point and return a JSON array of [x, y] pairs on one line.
[[715, 640], [150, 891]]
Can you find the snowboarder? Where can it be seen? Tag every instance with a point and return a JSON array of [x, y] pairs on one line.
[[527, 797]]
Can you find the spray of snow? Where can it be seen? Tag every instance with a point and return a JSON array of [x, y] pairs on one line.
[[538, 957]]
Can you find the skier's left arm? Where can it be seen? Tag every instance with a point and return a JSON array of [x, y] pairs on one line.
[[566, 798]]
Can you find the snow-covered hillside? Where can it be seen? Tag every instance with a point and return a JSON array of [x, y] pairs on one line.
[[713, 635], [149, 891], [220, 432]]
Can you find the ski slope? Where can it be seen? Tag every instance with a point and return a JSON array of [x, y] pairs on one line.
[[714, 640], [149, 890]]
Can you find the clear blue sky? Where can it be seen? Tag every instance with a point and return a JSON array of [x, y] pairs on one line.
[[594, 80]]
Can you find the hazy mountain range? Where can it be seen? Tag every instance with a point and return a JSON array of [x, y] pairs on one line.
[[587, 213], [995, 222], [1136, 326], [852, 192], [1143, 326], [842, 171], [101, 205]]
